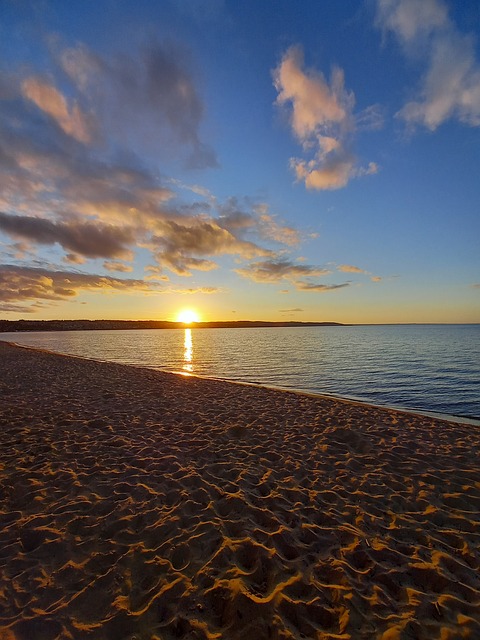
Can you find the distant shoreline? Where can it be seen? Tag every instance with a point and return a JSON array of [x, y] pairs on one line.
[[115, 325]]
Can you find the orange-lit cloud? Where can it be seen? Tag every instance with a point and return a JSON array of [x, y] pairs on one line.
[[121, 267], [314, 102], [19, 285], [350, 268], [49, 99], [323, 121]]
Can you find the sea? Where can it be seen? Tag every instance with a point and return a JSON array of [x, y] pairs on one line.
[[427, 368]]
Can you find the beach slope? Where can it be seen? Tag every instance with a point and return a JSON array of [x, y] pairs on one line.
[[141, 504]]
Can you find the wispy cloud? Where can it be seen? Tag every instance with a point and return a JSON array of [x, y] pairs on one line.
[[320, 288], [151, 88], [47, 98], [450, 86], [192, 290], [323, 121], [279, 269]]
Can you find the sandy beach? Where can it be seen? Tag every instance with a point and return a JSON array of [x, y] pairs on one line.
[[138, 504]]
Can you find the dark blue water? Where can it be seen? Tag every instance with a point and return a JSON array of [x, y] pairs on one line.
[[432, 368]]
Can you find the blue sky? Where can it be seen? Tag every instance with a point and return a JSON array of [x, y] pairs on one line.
[[249, 160]]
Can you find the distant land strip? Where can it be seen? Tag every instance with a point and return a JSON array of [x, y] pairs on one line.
[[97, 325]]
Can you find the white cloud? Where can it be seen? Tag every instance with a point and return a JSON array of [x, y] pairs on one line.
[[450, 86], [410, 19]]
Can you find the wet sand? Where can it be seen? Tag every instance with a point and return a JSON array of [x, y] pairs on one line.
[[138, 504]]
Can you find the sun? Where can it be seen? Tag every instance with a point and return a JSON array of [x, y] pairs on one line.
[[188, 316]]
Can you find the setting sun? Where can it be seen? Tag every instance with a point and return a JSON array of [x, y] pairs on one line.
[[187, 316]]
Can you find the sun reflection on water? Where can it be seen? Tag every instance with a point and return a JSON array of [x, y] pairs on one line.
[[188, 351]]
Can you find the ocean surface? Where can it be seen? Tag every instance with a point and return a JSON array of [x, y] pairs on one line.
[[433, 368]]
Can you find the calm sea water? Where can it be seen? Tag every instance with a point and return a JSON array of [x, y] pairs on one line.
[[432, 368]]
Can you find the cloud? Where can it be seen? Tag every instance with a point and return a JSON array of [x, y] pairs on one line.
[[48, 173], [49, 99], [314, 102], [280, 270], [376, 278], [236, 219], [24, 284], [73, 258], [71, 180], [121, 267], [191, 290], [319, 288], [148, 95], [270, 271], [290, 310], [322, 120], [450, 86], [410, 19], [98, 199], [349, 268], [179, 246], [89, 239]]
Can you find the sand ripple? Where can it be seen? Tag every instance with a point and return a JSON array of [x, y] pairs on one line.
[[141, 505]]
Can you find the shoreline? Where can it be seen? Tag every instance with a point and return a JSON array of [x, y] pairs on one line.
[[457, 419], [140, 503]]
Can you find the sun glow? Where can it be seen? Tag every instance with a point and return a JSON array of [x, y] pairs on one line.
[[188, 316]]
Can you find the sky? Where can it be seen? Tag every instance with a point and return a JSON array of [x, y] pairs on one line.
[[253, 160]]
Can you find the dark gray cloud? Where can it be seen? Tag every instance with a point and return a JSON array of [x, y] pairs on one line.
[[89, 239], [319, 288]]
